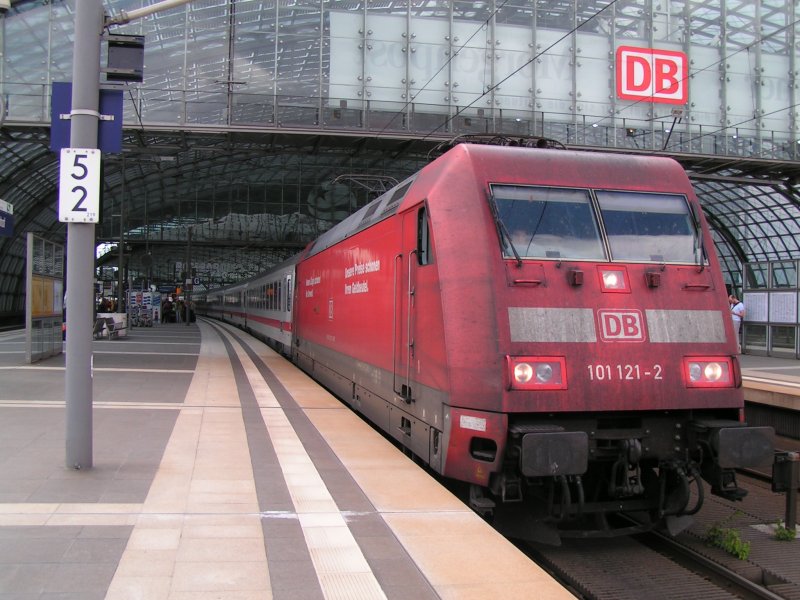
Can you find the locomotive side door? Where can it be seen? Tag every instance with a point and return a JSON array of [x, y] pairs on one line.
[[415, 251]]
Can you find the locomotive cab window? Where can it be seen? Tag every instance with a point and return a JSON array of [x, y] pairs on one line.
[[424, 250], [545, 222], [649, 227]]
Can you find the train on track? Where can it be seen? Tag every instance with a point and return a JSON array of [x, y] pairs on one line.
[[548, 327]]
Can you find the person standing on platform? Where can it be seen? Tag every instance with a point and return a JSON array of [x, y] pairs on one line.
[[737, 314]]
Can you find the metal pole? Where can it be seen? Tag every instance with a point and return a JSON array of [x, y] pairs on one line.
[[791, 493], [121, 302], [81, 241], [189, 281], [128, 16]]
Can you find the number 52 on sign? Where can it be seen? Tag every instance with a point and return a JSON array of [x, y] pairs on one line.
[[79, 186]]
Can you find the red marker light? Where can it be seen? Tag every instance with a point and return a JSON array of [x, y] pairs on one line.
[[708, 372], [537, 372]]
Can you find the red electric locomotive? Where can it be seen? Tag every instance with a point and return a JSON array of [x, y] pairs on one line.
[[550, 327]]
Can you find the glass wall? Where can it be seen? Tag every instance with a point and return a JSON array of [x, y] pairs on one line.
[[707, 76], [771, 304], [44, 298]]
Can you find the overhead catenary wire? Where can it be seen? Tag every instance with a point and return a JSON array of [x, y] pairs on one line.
[[521, 67]]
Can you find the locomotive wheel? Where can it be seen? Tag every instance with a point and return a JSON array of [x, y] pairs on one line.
[[677, 494], [676, 491]]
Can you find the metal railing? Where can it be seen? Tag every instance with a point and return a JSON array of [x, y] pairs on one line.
[[27, 103]]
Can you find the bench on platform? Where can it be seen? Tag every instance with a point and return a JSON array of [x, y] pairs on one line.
[[113, 327], [99, 325]]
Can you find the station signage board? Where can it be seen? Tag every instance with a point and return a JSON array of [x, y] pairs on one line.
[[652, 75], [79, 186], [109, 128]]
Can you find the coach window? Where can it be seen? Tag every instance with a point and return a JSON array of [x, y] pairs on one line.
[[544, 222], [649, 227], [424, 250]]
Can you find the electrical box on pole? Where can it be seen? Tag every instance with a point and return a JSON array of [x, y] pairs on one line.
[[125, 58]]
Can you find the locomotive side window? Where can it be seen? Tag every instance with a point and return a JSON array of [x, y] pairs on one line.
[[424, 251], [544, 222], [648, 227]]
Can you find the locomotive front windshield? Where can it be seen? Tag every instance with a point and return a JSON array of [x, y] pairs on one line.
[[548, 223], [580, 224], [648, 227]]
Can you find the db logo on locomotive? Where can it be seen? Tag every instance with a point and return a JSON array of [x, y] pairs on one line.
[[621, 325]]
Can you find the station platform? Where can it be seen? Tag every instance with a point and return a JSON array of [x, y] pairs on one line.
[[221, 471], [771, 381]]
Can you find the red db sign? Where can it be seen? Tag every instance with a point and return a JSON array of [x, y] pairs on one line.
[[654, 75]]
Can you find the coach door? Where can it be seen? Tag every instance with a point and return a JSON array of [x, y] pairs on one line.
[[415, 251]]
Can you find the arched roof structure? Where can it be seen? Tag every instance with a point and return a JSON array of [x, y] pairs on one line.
[[250, 110]]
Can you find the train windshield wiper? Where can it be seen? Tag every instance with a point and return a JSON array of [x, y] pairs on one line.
[[501, 228]]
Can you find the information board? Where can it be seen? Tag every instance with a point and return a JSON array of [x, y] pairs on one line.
[[755, 306], [782, 307]]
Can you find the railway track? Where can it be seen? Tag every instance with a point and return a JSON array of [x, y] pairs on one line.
[[656, 566], [652, 566]]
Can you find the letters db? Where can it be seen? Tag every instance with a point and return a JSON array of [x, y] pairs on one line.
[[621, 325], [652, 75]]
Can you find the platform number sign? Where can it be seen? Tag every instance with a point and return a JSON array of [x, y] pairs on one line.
[[79, 186]]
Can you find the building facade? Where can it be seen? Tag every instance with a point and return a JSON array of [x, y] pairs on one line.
[[709, 76]]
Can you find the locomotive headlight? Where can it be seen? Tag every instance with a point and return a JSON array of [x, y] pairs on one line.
[[544, 372], [708, 372], [713, 371], [614, 280], [523, 372], [611, 279], [537, 372]]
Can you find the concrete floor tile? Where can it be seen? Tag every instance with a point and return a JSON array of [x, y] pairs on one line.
[[81, 577], [146, 563], [154, 539], [221, 549], [216, 576], [33, 550], [139, 588], [252, 530], [213, 486], [228, 595], [90, 519], [25, 578], [11, 520], [95, 551]]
